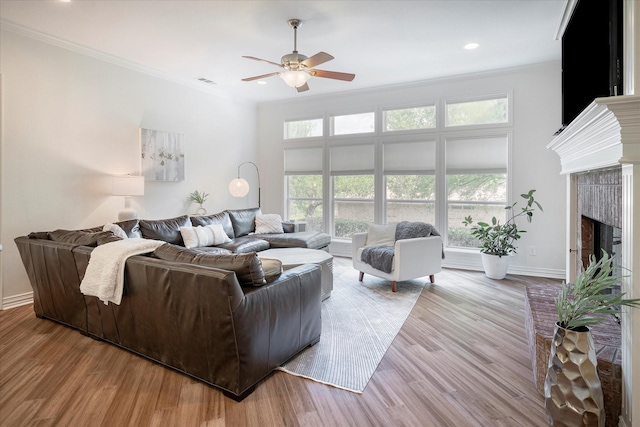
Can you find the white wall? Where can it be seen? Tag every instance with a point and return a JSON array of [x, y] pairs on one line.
[[536, 116], [71, 120]]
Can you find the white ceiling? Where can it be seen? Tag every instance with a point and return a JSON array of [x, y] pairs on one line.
[[382, 42]]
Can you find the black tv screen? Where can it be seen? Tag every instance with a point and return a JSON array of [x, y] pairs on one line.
[[591, 55]]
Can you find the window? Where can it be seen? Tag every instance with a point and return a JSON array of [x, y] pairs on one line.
[[303, 128], [304, 201], [353, 189], [410, 182], [479, 112], [409, 118], [353, 123], [303, 174], [476, 170]]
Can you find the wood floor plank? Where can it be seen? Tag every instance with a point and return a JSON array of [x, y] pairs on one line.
[[461, 359]]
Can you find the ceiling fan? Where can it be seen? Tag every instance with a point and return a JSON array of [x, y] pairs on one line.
[[299, 68]]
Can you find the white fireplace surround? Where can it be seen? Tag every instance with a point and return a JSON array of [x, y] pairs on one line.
[[606, 134]]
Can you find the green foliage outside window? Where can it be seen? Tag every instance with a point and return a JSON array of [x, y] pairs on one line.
[[477, 112], [410, 118]]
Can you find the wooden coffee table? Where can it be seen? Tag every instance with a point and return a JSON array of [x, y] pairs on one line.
[[293, 257]]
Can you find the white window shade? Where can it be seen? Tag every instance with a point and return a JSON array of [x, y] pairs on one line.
[[477, 155], [303, 161], [410, 157], [352, 159]]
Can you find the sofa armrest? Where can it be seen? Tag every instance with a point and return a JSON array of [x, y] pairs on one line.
[[358, 240], [418, 254]]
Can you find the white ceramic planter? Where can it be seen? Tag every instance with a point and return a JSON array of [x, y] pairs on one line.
[[495, 267]]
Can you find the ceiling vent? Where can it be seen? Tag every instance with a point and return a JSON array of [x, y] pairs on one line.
[[207, 81]]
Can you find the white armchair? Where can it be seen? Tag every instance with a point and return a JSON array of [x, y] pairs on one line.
[[413, 258]]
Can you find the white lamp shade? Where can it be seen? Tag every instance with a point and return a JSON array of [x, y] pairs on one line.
[[239, 187], [295, 78], [128, 185]]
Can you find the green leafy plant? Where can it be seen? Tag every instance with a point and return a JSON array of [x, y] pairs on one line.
[[583, 303], [198, 197], [497, 239]]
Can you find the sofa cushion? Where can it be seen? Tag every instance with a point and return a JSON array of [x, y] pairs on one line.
[[245, 244], [247, 267], [77, 237], [268, 223], [244, 220], [272, 268], [167, 230], [300, 239], [219, 218], [208, 235]]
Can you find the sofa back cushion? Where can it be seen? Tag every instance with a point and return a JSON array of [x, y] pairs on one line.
[[221, 218], [244, 220], [81, 238], [167, 230], [247, 267]]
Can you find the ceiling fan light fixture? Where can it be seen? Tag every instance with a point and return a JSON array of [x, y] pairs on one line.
[[295, 78]]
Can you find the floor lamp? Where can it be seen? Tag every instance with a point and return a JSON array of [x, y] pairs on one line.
[[239, 187], [127, 186]]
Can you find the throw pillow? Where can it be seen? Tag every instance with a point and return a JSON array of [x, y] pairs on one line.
[[209, 235], [379, 235], [115, 229], [269, 224]]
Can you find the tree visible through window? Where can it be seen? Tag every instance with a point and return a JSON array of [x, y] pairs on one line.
[[409, 118]]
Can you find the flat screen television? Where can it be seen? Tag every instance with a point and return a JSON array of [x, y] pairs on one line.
[[591, 55]]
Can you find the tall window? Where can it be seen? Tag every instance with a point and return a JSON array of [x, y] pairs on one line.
[[476, 170], [410, 182], [418, 162], [353, 189], [303, 172]]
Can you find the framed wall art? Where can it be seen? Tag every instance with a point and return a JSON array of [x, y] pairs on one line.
[[162, 155]]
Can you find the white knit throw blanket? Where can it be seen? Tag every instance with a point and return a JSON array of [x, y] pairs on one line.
[[104, 277]]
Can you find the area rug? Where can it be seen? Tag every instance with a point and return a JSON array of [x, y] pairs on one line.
[[359, 322]]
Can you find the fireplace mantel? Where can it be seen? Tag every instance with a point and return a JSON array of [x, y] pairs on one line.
[[605, 134]]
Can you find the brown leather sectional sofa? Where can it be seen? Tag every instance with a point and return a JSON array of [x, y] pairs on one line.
[[207, 322]]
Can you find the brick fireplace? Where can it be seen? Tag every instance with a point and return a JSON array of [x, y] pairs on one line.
[[600, 156], [598, 216]]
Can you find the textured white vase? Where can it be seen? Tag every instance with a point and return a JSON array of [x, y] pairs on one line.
[[495, 267]]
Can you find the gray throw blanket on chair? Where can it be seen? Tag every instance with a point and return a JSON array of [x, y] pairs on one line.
[[381, 257]]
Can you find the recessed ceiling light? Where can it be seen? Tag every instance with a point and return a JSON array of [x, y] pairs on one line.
[[471, 46], [65, 1], [261, 82]]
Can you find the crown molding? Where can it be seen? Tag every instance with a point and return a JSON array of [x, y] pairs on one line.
[[102, 56]]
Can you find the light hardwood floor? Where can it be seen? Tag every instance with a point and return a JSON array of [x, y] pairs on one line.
[[460, 360]]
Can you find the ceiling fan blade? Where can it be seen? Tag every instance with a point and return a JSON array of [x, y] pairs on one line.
[[263, 60], [317, 59], [332, 75], [250, 79], [303, 88]]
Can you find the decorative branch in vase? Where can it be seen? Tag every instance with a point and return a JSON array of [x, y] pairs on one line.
[[200, 198]]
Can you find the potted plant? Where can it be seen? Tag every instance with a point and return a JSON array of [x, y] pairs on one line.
[[497, 240], [199, 198], [572, 388]]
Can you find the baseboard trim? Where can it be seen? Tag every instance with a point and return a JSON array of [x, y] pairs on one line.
[[17, 300]]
